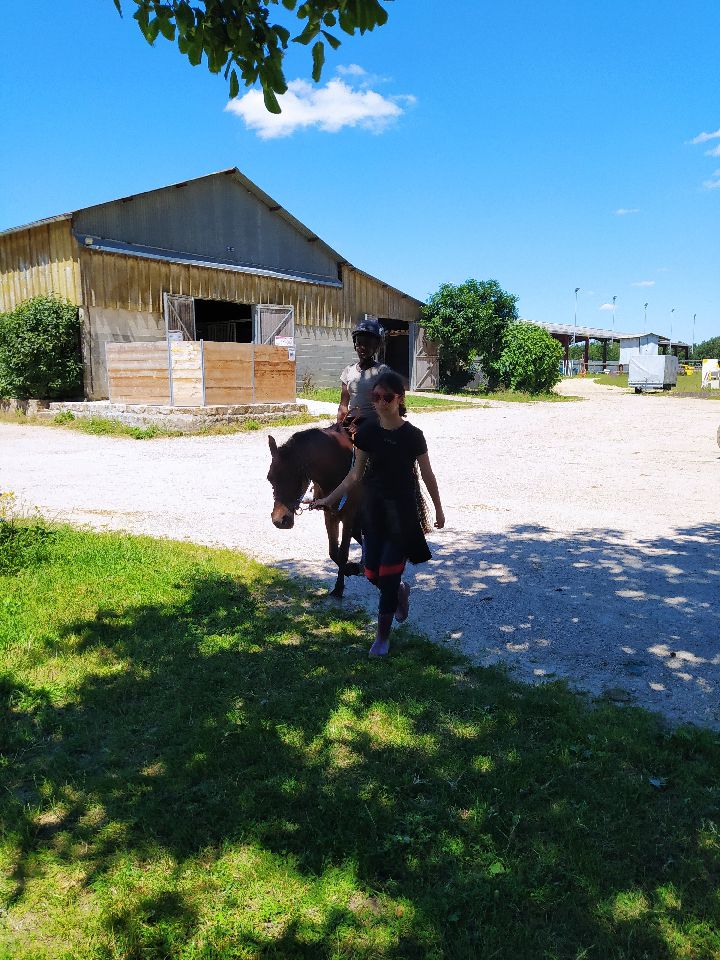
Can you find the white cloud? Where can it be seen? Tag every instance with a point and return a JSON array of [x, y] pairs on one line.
[[606, 306], [715, 152], [714, 182], [624, 211], [644, 283], [328, 108], [352, 70], [704, 137]]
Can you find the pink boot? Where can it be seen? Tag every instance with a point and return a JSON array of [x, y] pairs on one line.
[[403, 607], [382, 639]]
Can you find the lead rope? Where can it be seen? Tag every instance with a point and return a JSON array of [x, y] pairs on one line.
[[344, 496]]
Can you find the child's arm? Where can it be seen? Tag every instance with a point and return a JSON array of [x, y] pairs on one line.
[[426, 472], [351, 480], [344, 403]]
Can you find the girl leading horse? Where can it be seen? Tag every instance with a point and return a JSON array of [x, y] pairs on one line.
[[393, 520]]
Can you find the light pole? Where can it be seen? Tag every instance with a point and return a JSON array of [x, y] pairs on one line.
[[613, 330], [577, 290], [671, 322], [645, 324], [693, 336]]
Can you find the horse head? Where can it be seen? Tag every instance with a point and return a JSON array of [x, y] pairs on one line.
[[289, 481]]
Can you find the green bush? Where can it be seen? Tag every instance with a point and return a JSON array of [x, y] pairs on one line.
[[707, 349], [531, 359], [40, 351], [64, 417], [469, 321]]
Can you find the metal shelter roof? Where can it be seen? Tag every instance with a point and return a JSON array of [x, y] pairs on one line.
[[598, 333]]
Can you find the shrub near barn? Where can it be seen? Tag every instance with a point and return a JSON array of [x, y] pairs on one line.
[[530, 359], [469, 321], [40, 351]]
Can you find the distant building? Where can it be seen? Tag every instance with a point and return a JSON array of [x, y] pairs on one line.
[[214, 259], [631, 344]]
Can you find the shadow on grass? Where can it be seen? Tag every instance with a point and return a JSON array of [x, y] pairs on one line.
[[243, 782]]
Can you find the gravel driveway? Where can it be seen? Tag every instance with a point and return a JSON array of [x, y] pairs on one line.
[[582, 539]]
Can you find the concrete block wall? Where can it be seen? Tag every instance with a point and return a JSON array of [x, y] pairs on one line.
[[322, 353]]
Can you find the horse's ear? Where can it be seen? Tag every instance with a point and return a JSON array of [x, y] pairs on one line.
[[273, 446]]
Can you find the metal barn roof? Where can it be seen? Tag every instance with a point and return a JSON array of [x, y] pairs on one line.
[[90, 238]]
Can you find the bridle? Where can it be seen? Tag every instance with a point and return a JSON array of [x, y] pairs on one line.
[[295, 507]]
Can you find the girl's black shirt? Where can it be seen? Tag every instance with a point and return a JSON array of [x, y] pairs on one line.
[[392, 456]]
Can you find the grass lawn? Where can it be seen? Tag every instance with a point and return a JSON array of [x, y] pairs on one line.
[[414, 403], [198, 760], [685, 385], [520, 396], [104, 426]]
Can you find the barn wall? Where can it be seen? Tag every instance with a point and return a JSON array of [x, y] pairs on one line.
[[364, 294], [121, 282], [124, 295], [38, 261], [122, 298]]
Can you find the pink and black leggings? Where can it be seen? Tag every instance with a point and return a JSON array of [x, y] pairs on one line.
[[384, 564]]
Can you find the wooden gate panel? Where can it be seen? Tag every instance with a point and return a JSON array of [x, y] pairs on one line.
[[274, 375], [228, 373], [273, 321], [138, 373], [179, 315], [187, 373]]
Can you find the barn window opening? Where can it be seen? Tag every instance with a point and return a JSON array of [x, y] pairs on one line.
[[224, 321], [397, 345]]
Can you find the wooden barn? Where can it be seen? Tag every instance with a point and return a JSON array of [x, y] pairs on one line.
[[213, 259]]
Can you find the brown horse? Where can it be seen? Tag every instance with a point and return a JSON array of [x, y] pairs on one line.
[[321, 457]]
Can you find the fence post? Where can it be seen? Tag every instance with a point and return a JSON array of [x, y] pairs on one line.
[[170, 376], [252, 372]]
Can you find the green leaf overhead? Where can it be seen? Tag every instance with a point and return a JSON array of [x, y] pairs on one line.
[[318, 55], [241, 39]]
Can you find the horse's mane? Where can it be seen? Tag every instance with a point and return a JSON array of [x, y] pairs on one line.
[[298, 441], [322, 437]]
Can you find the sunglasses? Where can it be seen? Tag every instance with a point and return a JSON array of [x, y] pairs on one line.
[[385, 397]]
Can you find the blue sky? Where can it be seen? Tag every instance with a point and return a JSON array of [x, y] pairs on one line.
[[497, 140]]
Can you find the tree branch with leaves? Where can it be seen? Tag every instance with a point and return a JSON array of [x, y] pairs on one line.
[[239, 39]]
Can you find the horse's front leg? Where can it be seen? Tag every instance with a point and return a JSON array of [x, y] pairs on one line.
[[343, 550], [350, 531], [332, 526]]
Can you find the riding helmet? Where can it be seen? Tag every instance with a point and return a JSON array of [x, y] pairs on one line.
[[370, 326]]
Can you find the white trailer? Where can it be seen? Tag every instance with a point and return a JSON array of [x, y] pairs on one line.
[[649, 372]]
